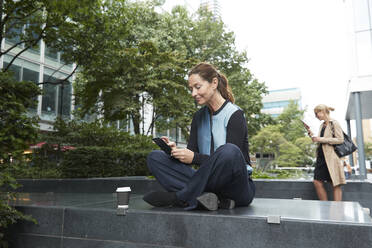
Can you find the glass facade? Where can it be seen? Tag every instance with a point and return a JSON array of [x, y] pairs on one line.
[[278, 104], [277, 100], [56, 99], [24, 71], [363, 35]]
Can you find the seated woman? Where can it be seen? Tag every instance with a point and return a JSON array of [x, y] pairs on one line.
[[218, 144]]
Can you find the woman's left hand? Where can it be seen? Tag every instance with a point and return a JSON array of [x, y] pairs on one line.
[[184, 155]]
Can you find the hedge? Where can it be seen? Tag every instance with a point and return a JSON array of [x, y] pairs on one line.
[[93, 161]]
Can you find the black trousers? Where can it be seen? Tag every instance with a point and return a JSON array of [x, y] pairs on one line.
[[224, 173]]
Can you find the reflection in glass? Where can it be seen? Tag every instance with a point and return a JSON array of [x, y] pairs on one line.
[[33, 76], [15, 69], [48, 106], [56, 99], [51, 53], [13, 33], [65, 90]]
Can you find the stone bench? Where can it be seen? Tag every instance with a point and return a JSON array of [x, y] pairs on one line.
[[360, 191], [90, 220]]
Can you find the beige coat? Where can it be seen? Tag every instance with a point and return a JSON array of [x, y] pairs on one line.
[[334, 163]]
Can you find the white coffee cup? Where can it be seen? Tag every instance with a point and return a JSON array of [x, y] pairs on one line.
[[123, 195]]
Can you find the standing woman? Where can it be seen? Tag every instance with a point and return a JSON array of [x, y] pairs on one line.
[[218, 143], [329, 167]]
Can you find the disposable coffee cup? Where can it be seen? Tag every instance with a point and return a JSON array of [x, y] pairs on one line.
[[123, 195]]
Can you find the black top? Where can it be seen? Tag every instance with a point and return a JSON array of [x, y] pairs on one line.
[[320, 160], [236, 133]]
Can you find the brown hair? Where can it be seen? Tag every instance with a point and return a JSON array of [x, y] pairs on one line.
[[208, 72], [324, 108]]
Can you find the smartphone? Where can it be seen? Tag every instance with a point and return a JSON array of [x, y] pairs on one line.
[[305, 125], [307, 128], [164, 146]]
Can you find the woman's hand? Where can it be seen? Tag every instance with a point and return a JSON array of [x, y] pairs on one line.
[[184, 155], [169, 143], [315, 139]]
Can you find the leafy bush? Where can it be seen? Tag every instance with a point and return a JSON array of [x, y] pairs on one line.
[[260, 174], [78, 133], [95, 150], [93, 161], [8, 214]]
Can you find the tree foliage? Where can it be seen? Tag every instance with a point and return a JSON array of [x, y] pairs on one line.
[[17, 129], [25, 23], [286, 140], [148, 63], [368, 150], [17, 132]]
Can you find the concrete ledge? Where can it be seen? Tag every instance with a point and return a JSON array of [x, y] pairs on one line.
[[360, 191], [88, 185], [177, 228], [297, 223]]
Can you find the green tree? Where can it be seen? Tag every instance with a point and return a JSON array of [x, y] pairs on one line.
[[17, 132], [368, 150], [290, 122], [289, 155], [267, 141], [149, 64], [25, 23], [135, 73], [307, 150], [285, 140], [205, 38]]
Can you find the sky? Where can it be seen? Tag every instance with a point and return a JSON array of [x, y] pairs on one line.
[[304, 44]]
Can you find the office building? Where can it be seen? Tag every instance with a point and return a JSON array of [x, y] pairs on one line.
[[359, 96], [213, 6], [277, 100], [44, 67]]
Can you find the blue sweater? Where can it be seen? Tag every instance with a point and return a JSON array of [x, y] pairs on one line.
[[209, 131]]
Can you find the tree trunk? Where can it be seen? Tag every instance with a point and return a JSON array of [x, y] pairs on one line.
[[1, 21], [136, 118]]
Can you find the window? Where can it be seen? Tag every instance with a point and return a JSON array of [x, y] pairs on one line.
[[33, 76], [51, 53], [24, 71], [15, 69], [49, 102], [13, 32], [56, 98]]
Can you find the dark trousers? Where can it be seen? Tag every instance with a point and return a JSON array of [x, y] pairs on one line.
[[224, 173]]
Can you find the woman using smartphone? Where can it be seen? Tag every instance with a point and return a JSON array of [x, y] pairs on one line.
[[218, 144], [329, 167]]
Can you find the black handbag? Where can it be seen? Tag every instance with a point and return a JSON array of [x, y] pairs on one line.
[[346, 148]]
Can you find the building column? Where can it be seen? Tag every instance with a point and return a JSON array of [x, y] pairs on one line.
[[351, 159], [360, 141]]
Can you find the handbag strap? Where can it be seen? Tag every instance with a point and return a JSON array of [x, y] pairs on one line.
[[333, 129]]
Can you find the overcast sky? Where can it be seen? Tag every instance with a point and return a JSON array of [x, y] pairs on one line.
[[304, 44]]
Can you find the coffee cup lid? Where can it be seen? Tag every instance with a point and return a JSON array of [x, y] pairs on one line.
[[123, 189]]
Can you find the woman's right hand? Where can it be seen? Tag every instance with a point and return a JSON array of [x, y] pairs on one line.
[[169, 143]]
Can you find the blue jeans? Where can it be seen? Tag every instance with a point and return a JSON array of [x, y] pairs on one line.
[[224, 173]]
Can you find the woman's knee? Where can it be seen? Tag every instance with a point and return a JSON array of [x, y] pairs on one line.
[[154, 157], [229, 150], [317, 183]]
